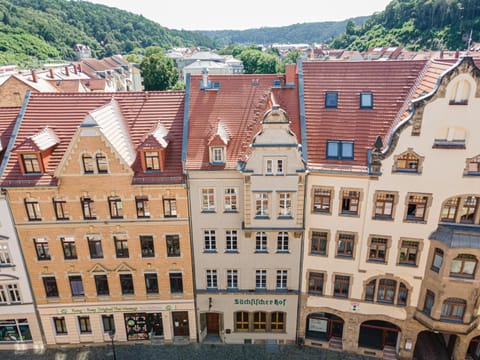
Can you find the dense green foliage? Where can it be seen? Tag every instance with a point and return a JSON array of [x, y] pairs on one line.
[[416, 24], [318, 32], [158, 71], [32, 31]]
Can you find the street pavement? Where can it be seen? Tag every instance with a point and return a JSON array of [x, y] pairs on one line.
[[180, 352]]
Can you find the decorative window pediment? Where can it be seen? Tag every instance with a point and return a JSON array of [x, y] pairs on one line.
[[408, 161], [218, 144], [153, 148], [124, 267], [472, 166], [34, 151]]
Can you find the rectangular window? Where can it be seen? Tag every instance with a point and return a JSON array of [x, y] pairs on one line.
[[230, 199], [282, 241], [261, 204], [378, 249], [449, 210], [170, 207], [208, 199], [50, 284], [116, 207], [366, 100], [341, 286], [282, 276], [232, 279], [384, 203], [331, 99], [321, 199], [41, 247], [60, 325], [285, 204], [95, 247], [141, 204], [408, 253], [146, 244], [318, 243], [210, 241], [346, 244], [31, 165], [76, 285], [261, 279], [101, 284], [416, 207], [340, 149], [280, 166], [59, 205], [231, 240], [261, 242], [5, 258], [173, 245], [211, 279], [33, 209], [218, 156], [259, 321], [126, 283], [269, 167], [277, 321], [102, 163], [121, 247], [176, 283], [241, 321], [151, 283], [69, 248], [315, 283], [3, 295], [350, 202], [88, 208], [429, 301], [87, 162], [108, 323], [14, 294], [152, 160], [84, 324]]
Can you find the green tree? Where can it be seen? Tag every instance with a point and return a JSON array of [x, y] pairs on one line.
[[158, 72], [258, 62]]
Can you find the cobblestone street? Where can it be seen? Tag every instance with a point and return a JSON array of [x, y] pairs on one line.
[[180, 352]]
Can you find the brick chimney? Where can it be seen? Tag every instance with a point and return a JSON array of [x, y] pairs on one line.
[[67, 73], [75, 69], [457, 54], [290, 72], [34, 75], [50, 71]]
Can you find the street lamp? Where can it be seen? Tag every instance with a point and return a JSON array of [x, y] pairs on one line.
[[111, 333]]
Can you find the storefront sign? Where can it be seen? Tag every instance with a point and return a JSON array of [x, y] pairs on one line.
[[318, 325], [110, 309], [258, 302]]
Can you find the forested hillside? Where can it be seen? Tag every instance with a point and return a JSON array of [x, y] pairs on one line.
[[416, 24], [33, 31], [318, 32]]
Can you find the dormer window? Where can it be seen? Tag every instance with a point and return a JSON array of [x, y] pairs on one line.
[[152, 160], [217, 154], [408, 161], [31, 164], [340, 149], [366, 100]]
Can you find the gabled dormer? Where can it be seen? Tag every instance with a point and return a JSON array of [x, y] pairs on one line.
[[34, 153], [217, 145], [153, 148]]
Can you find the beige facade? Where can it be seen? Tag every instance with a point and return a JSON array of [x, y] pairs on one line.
[[368, 266]]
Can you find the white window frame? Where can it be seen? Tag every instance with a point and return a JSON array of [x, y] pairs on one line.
[[230, 199], [5, 257], [261, 241], [208, 199], [210, 240], [231, 240], [282, 241], [261, 279], [285, 204], [282, 279], [232, 279], [211, 279], [261, 204]]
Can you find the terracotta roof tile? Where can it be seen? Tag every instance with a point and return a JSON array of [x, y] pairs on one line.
[[64, 113], [8, 117], [239, 104], [390, 82]]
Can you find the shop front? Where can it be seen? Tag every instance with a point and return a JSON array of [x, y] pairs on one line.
[[248, 318]]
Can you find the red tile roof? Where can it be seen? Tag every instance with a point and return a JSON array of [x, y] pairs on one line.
[[64, 113], [391, 82], [239, 104], [8, 117]]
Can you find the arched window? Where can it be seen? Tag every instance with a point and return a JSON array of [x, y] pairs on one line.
[[386, 291], [453, 309], [463, 265], [461, 93]]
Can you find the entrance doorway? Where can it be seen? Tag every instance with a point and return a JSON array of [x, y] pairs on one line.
[[377, 334], [180, 323], [324, 326], [213, 325], [434, 345], [474, 348]]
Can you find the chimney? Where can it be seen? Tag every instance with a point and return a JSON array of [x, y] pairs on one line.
[[441, 54], [457, 53], [50, 71], [290, 72], [79, 68], [75, 70], [34, 75], [205, 78], [67, 73]]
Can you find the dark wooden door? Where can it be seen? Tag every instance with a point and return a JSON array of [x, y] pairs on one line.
[[180, 323], [212, 323]]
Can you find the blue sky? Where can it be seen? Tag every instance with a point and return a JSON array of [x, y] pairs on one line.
[[244, 14]]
